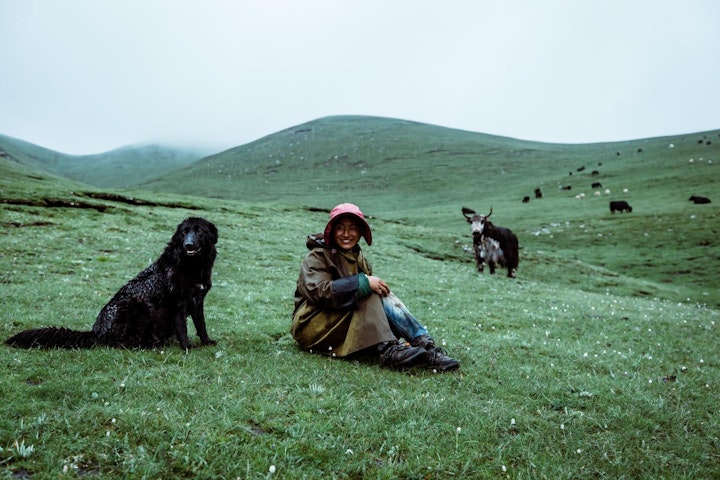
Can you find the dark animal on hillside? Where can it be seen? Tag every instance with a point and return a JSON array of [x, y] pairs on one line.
[[488, 251], [595, 173], [482, 250], [566, 187], [492, 244], [538, 193], [596, 185], [697, 199], [620, 206], [152, 307], [526, 199], [580, 169]]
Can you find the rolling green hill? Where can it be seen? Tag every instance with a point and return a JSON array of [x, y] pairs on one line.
[[424, 166], [420, 175], [600, 360], [121, 168]]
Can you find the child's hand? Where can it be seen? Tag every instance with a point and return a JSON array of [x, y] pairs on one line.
[[379, 286]]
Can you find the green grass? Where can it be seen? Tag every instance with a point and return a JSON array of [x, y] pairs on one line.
[[599, 361]]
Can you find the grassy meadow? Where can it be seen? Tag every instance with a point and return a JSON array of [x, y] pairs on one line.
[[599, 361]]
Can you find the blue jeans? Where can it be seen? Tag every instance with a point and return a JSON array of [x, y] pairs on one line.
[[402, 322]]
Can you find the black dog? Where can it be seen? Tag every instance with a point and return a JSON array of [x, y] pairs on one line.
[[153, 306]]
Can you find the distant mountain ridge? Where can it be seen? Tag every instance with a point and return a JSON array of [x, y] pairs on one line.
[[334, 158], [120, 168], [364, 157]]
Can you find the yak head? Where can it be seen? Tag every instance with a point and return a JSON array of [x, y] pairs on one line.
[[477, 222]]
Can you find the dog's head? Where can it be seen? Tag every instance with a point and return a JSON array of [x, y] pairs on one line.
[[195, 236]]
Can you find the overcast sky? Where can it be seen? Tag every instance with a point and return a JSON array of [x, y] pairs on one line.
[[87, 76]]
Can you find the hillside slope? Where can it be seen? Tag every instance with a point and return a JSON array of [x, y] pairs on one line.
[[597, 361], [412, 179], [412, 173], [121, 168], [335, 158]]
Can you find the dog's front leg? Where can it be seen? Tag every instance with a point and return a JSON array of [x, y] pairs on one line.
[[198, 316], [181, 329]]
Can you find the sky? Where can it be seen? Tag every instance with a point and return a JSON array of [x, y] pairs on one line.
[[88, 76]]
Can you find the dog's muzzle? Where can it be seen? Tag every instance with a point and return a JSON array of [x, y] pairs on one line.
[[191, 246]]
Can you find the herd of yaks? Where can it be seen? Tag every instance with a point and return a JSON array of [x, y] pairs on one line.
[[615, 205], [498, 246]]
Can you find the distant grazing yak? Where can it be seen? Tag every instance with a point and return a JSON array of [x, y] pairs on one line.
[[620, 206], [152, 307], [697, 199]]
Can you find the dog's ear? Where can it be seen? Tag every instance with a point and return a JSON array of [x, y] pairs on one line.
[[213, 232], [178, 235]]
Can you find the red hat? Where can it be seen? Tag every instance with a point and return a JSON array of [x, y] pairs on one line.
[[348, 209]]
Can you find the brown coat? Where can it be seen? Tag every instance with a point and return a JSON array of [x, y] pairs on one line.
[[329, 316]]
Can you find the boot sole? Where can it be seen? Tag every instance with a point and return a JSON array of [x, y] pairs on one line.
[[406, 363]]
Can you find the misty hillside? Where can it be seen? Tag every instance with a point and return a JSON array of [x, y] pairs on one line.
[[121, 168], [368, 158], [408, 175], [424, 167], [330, 159]]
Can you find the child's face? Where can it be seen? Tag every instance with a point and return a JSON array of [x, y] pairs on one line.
[[346, 233]]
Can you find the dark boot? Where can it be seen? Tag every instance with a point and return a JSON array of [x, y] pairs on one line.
[[423, 341], [437, 360], [401, 355], [436, 357]]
